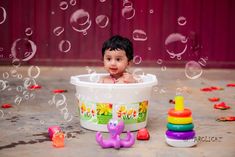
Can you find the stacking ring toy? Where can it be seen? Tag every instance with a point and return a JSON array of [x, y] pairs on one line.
[[180, 135], [180, 127], [180, 113], [177, 120], [181, 143]]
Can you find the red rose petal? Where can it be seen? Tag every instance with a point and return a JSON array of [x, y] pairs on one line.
[[231, 85], [59, 91], [230, 118], [143, 134], [34, 87], [216, 88], [206, 89], [221, 106], [214, 99], [6, 106], [223, 119]]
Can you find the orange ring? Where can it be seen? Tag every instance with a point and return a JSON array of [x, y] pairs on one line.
[[185, 113]]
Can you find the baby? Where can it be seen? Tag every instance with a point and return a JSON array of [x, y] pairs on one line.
[[117, 53]]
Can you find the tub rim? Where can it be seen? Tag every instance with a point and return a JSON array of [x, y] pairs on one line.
[[77, 82]]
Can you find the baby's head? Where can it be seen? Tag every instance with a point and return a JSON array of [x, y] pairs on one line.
[[117, 53], [119, 43]]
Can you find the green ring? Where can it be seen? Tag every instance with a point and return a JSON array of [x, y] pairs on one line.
[[180, 127]]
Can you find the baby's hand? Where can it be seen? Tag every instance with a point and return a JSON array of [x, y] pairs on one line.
[[128, 78]]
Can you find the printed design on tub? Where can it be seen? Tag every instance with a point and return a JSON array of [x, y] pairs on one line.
[[101, 113]]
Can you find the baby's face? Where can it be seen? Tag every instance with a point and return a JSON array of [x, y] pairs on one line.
[[115, 62]]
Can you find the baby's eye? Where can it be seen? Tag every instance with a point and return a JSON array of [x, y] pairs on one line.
[[118, 59], [108, 59]]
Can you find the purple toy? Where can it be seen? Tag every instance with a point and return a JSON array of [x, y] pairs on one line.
[[115, 128]]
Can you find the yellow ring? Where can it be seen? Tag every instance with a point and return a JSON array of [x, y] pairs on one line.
[[179, 120]]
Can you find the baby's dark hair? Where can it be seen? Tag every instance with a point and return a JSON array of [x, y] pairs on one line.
[[118, 42]]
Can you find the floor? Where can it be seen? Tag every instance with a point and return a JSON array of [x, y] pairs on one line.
[[23, 128]]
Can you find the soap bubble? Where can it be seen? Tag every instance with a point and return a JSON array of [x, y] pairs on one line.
[[102, 21], [182, 21], [139, 35], [64, 46], [23, 49], [176, 45], [193, 70], [4, 15], [63, 5], [80, 21], [28, 31], [137, 59], [58, 30]]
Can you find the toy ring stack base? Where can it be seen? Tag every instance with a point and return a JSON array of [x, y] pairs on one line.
[[181, 143]]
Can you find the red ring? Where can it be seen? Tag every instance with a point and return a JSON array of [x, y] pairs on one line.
[[185, 113]]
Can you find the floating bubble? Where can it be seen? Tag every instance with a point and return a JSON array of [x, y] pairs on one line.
[[29, 81], [4, 15], [128, 12], [73, 2], [58, 30], [89, 70], [16, 62], [10, 56], [80, 20], [94, 77], [149, 48], [159, 61], [13, 73], [202, 61], [28, 31], [19, 76], [137, 59], [151, 11], [52, 12], [61, 100], [162, 91], [1, 113], [26, 97], [137, 73], [18, 100], [30, 71], [102, 21], [5, 75], [102, 1], [176, 42], [32, 96], [63, 5], [127, 4], [163, 68], [3, 85], [193, 70], [23, 49], [139, 35], [19, 88], [182, 21], [50, 102], [64, 46]]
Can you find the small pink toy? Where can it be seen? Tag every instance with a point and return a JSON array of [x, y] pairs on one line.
[[115, 129], [53, 130]]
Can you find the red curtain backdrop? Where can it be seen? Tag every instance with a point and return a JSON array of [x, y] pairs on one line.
[[71, 32]]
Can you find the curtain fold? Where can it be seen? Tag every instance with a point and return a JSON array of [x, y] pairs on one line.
[[71, 32]]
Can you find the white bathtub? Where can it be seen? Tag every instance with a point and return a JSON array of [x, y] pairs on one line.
[[100, 102]]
